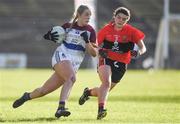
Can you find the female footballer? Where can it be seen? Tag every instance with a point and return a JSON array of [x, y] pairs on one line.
[[116, 41], [80, 37]]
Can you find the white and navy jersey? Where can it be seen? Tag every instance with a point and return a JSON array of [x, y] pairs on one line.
[[73, 47], [73, 38]]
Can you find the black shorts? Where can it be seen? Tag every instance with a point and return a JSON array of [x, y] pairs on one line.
[[118, 68]]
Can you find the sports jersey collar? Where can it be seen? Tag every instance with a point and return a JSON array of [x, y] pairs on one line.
[[78, 25], [112, 26]]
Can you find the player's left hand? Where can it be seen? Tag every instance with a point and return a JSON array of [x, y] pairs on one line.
[[135, 54], [85, 36], [103, 53]]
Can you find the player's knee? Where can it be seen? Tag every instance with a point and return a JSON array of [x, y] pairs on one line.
[[73, 78], [69, 78], [107, 84]]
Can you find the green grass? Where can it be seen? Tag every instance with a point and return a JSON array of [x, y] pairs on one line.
[[141, 97]]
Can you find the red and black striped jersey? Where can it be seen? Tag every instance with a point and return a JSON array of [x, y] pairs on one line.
[[119, 40]]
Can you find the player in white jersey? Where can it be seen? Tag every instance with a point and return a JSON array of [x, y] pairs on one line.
[[73, 47], [80, 37]]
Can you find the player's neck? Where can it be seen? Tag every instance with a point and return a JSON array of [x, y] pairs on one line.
[[117, 28], [79, 24]]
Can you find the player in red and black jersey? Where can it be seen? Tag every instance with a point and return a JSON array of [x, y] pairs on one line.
[[116, 41]]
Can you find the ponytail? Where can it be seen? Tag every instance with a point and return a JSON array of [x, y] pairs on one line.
[[73, 21]]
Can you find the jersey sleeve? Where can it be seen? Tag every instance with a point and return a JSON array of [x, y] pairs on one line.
[[66, 25], [93, 36], [137, 35]]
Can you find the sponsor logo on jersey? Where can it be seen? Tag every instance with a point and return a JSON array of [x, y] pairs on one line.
[[115, 47], [77, 32]]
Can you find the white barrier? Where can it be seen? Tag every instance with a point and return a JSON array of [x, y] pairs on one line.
[[13, 60]]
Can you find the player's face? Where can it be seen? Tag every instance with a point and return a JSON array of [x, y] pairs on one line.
[[84, 17], [120, 20]]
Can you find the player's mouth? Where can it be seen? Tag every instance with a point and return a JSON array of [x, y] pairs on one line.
[[120, 24], [87, 21]]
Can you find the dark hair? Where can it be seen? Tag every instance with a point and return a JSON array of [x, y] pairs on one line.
[[79, 11], [122, 10]]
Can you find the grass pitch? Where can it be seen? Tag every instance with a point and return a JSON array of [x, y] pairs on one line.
[[140, 97]]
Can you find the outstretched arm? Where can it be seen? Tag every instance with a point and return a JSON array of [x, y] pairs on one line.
[[136, 52], [142, 47]]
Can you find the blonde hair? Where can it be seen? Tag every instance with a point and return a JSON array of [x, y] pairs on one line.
[[79, 11]]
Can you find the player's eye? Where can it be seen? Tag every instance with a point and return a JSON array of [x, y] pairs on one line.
[[122, 18], [87, 14]]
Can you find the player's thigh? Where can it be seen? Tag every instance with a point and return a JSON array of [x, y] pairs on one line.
[[118, 71], [64, 69], [104, 72]]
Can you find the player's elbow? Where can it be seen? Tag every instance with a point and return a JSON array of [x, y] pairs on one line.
[[145, 49], [92, 51], [142, 51]]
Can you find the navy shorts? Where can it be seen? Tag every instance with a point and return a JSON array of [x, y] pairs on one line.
[[118, 68]]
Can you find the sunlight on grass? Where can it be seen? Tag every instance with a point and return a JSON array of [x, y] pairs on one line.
[[141, 97]]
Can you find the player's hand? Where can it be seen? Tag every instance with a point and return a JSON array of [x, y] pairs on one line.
[[84, 35], [134, 54], [51, 36], [103, 53]]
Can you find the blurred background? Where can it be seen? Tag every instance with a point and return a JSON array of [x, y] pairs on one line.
[[24, 22]]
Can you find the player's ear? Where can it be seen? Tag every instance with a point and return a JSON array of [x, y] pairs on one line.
[[128, 19]]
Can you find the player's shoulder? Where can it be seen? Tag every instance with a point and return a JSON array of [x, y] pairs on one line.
[[89, 28], [66, 25], [134, 30], [130, 27], [107, 27]]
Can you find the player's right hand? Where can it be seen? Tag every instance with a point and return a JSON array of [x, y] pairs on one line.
[[134, 54], [84, 35], [51, 36]]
